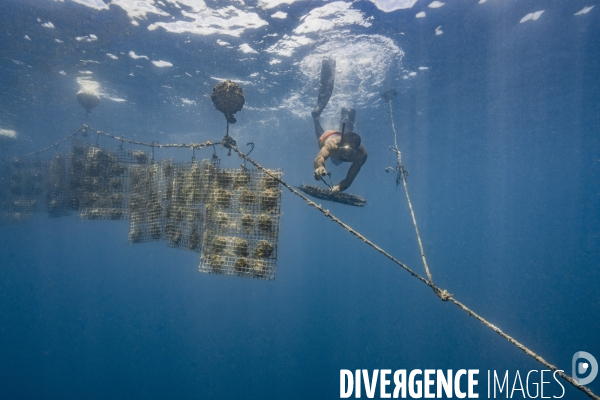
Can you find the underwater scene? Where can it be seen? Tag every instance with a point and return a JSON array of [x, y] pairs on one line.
[[290, 199]]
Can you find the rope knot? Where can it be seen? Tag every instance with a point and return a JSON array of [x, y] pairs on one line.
[[442, 294], [228, 142]]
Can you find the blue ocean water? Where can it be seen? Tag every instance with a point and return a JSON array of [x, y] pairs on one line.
[[498, 125]]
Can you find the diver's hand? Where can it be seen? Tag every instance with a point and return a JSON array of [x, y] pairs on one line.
[[320, 172], [335, 189]]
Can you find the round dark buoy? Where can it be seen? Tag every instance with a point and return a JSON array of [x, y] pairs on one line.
[[88, 100], [389, 95], [228, 97]]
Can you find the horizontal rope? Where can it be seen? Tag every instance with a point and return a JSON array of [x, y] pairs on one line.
[[54, 144], [84, 129], [155, 144]]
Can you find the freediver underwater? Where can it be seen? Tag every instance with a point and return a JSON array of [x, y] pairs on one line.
[[340, 146]]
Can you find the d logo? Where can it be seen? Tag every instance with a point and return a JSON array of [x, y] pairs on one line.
[[582, 367]]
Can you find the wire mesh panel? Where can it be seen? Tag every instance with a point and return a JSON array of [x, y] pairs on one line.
[[26, 189], [99, 180], [186, 194], [77, 160], [57, 186], [148, 201], [242, 224]]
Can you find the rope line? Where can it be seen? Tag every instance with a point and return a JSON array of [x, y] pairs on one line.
[[157, 145], [122, 139], [527, 351], [402, 173], [441, 293], [55, 144]]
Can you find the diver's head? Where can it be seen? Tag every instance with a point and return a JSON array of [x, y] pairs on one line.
[[348, 146]]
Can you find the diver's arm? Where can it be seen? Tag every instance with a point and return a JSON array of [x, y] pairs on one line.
[[320, 162], [360, 159]]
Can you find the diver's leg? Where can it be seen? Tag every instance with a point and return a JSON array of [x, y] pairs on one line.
[[325, 91], [347, 117], [325, 85], [319, 131]]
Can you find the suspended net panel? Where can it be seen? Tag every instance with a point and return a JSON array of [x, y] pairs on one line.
[[148, 201], [99, 180], [242, 224], [57, 189], [77, 159], [26, 189], [103, 190], [186, 191]]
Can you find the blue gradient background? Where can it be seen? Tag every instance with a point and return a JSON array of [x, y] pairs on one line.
[[501, 139]]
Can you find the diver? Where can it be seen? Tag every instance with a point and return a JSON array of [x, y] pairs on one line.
[[344, 146]]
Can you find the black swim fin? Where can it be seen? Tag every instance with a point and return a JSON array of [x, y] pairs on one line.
[[325, 85]]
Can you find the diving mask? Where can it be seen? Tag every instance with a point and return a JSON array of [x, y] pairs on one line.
[[346, 153]]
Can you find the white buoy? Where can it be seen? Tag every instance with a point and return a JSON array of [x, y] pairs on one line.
[[89, 93], [88, 100], [7, 137]]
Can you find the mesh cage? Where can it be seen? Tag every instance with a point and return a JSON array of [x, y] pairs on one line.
[[186, 194], [57, 186], [99, 180], [77, 158], [242, 224], [148, 201], [26, 189]]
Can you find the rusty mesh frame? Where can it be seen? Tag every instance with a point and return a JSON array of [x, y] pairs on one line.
[[186, 193], [99, 180], [242, 224], [148, 201], [57, 186], [26, 192]]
